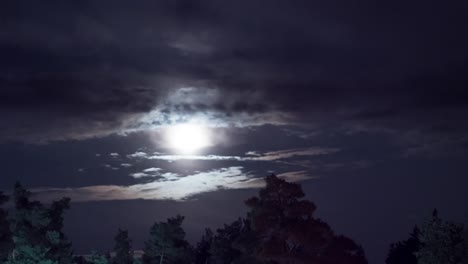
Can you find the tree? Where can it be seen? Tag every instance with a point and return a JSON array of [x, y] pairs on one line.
[[234, 243], [404, 252], [465, 239], [96, 258], [37, 231], [287, 232], [442, 242], [61, 249], [223, 249], [6, 242], [122, 248], [202, 250], [167, 243]]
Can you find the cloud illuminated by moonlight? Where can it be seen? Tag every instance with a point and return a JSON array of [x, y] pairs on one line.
[[167, 188]]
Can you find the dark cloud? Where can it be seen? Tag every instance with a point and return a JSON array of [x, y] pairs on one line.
[[96, 68]]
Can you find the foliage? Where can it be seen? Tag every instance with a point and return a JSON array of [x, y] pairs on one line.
[[202, 250], [96, 258], [6, 242], [223, 249], [167, 243], [137, 261], [122, 248], [438, 241], [404, 252], [287, 232], [234, 243], [442, 242], [37, 231]]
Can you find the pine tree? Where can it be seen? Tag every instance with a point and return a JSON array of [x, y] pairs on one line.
[[97, 258], [167, 243], [6, 242], [37, 231], [222, 248], [202, 251], [234, 243], [404, 252], [61, 250], [465, 251], [441, 242], [122, 248], [287, 232]]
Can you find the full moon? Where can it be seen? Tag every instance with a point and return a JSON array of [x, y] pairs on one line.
[[188, 138]]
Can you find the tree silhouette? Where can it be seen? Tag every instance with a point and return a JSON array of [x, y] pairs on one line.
[[61, 249], [37, 231], [223, 249], [438, 241], [6, 242], [404, 252], [465, 239], [122, 248], [234, 243], [202, 250], [442, 242], [97, 258], [167, 243], [287, 232]]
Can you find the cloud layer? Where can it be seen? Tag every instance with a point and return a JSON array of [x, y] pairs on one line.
[[169, 186], [267, 156], [110, 67]]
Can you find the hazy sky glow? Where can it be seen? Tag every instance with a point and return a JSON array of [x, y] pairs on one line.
[[177, 106]]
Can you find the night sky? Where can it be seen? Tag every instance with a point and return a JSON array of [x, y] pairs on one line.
[[141, 110]]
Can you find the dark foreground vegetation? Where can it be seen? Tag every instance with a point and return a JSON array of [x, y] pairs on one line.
[[280, 227]]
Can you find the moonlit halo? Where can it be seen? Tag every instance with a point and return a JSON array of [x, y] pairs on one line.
[[188, 138]]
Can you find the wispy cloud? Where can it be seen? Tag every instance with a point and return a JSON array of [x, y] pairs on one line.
[[289, 153], [295, 176], [138, 154], [252, 153], [193, 157], [152, 169], [138, 175], [110, 167], [250, 156], [150, 172], [169, 186]]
